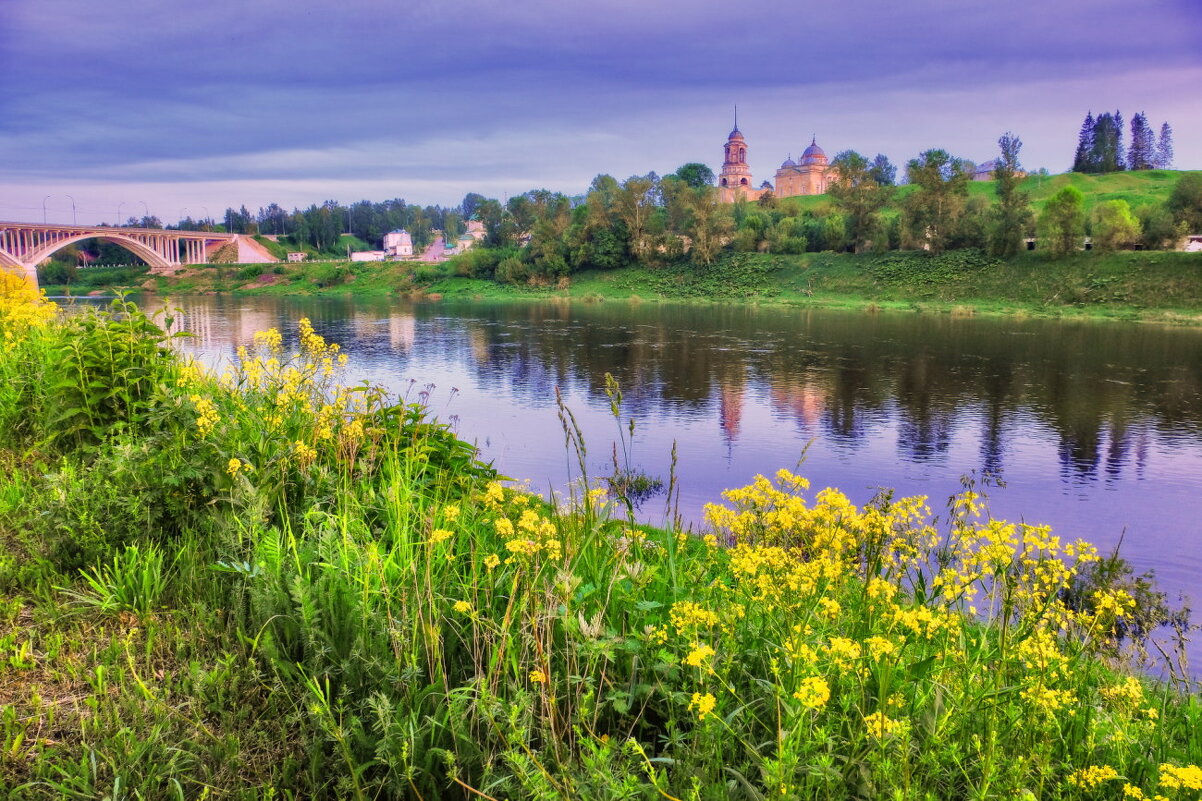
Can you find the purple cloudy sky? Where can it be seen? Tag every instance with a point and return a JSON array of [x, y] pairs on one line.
[[188, 106]]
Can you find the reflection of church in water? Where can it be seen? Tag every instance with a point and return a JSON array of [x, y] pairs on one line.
[[811, 175]]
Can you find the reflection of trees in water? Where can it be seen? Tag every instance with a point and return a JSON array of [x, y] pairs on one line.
[[1105, 390], [1097, 386]]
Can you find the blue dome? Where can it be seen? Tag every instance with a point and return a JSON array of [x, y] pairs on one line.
[[813, 154], [789, 162]]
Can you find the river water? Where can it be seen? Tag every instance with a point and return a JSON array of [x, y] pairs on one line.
[[1095, 428]]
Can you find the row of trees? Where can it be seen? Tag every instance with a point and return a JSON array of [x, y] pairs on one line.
[[650, 220], [1100, 145], [1063, 222], [321, 226]]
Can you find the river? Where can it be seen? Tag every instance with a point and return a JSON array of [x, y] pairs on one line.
[[1093, 427]]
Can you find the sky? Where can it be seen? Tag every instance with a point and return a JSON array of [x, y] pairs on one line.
[[170, 108]]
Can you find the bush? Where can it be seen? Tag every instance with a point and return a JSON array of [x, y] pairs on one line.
[[56, 272]]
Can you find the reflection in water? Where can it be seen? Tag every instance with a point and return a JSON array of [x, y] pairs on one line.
[[1095, 428]]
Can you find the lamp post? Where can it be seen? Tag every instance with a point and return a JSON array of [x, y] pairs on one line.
[[146, 217], [119, 205], [74, 219]]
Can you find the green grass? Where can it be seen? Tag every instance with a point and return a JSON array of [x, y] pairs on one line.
[[269, 586], [1141, 188]]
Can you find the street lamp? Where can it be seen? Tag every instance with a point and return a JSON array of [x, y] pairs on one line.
[[119, 205], [74, 219], [146, 217]]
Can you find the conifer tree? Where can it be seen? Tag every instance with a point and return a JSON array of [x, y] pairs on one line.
[[1120, 158], [1142, 154], [1082, 161], [1164, 148]]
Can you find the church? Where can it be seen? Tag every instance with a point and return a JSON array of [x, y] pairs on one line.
[[811, 175]]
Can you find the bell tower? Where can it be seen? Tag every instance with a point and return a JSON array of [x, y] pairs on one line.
[[735, 178]]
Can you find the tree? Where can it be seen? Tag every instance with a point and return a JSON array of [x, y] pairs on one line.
[[1142, 153], [1114, 226], [883, 171], [936, 205], [1083, 160], [1185, 202], [1062, 221], [695, 174], [857, 193], [1106, 151], [634, 204], [471, 201], [1012, 216], [1164, 148], [1157, 225]]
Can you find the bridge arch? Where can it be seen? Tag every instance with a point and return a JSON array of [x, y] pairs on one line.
[[143, 252], [9, 260]]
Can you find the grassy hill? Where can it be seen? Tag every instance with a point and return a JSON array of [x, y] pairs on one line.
[[1145, 187]]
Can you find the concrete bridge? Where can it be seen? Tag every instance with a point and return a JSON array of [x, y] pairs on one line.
[[23, 246]]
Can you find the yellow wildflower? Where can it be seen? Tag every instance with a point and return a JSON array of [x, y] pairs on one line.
[[882, 727], [1188, 777], [814, 692], [450, 512], [1090, 777], [491, 561], [538, 677], [463, 607], [698, 656], [439, 535], [703, 703]]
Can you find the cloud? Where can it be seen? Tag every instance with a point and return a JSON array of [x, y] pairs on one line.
[[436, 95]]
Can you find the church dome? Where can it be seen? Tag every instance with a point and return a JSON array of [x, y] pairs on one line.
[[736, 134], [813, 154], [789, 162]]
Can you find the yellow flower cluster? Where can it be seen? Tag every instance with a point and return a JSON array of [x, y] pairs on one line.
[[882, 727], [1125, 695], [236, 466], [698, 656], [687, 616], [1090, 777], [1113, 602], [305, 454], [22, 307], [206, 414], [704, 703], [1188, 777], [814, 692]]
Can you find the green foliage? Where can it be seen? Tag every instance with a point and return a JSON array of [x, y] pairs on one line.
[[1185, 202], [135, 580], [1114, 226], [922, 269], [1062, 221], [695, 175], [860, 195], [1012, 217], [935, 208], [56, 273], [371, 616], [329, 274], [103, 373]]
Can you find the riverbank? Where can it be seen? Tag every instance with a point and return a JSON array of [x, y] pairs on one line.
[[1150, 286], [264, 585]]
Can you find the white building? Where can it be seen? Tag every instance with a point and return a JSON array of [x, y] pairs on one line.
[[398, 244]]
